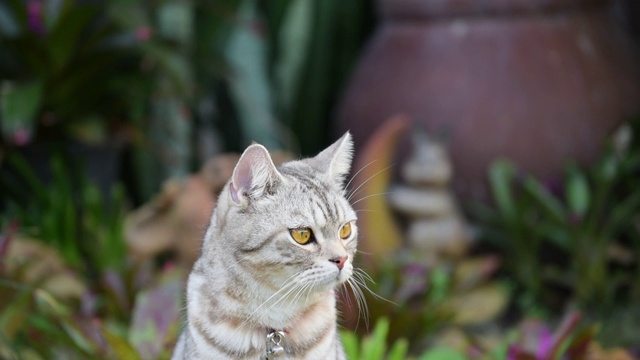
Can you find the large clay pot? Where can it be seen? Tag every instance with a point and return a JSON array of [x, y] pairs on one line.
[[538, 81]]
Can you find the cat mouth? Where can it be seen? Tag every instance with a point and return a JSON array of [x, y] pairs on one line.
[[343, 276]]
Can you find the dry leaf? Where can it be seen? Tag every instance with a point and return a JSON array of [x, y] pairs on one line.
[[479, 305], [379, 233]]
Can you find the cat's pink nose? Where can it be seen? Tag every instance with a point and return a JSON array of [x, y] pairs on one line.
[[340, 261]]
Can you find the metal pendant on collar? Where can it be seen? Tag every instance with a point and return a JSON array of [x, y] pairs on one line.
[[274, 349]]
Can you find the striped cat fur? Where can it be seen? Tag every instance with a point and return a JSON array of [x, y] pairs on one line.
[[253, 277]]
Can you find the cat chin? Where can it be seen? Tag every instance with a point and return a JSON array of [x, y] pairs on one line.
[[331, 283], [345, 273]]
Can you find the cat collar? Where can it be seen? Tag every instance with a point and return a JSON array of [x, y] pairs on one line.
[[274, 349]]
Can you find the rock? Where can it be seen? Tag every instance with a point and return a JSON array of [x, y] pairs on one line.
[[429, 165], [422, 202], [443, 236]]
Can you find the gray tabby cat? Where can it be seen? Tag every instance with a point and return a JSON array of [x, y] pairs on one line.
[[279, 243]]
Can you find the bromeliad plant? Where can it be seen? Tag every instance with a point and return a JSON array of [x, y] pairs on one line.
[[582, 239]]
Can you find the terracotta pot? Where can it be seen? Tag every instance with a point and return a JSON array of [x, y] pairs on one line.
[[538, 81]]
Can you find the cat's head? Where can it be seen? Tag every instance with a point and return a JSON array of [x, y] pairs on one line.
[[292, 223]]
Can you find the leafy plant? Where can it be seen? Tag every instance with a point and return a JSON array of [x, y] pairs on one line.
[[70, 214], [424, 303], [583, 239], [66, 68], [38, 322], [374, 347], [531, 340]]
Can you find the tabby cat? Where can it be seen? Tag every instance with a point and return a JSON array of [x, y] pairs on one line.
[[280, 241]]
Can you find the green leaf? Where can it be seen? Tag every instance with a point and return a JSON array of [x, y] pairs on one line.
[[607, 168], [63, 41], [35, 184], [374, 346], [317, 80], [172, 63], [14, 317], [552, 206], [557, 234], [399, 350], [246, 52], [577, 192], [120, 348], [20, 103], [295, 33], [79, 336], [442, 354], [440, 282], [53, 10], [501, 174], [350, 344], [8, 25], [622, 214]]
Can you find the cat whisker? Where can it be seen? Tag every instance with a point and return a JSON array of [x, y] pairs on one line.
[[347, 295], [368, 196], [356, 190], [345, 290], [363, 309], [367, 210], [311, 286], [361, 277], [301, 290], [297, 290], [358, 172], [294, 287], [284, 287], [363, 273], [366, 253]]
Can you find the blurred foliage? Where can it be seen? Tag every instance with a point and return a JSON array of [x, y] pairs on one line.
[[374, 346], [65, 68], [532, 340], [70, 214], [114, 317], [425, 303], [580, 242], [265, 71], [276, 67], [179, 80]]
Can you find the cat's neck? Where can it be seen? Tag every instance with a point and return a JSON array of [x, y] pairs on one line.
[[257, 303]]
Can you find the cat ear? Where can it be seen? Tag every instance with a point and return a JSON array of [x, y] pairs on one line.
[[254, 174], [336, 159]]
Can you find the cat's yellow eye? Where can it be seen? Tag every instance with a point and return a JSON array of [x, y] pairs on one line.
[[345, 231], [302, 235]]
